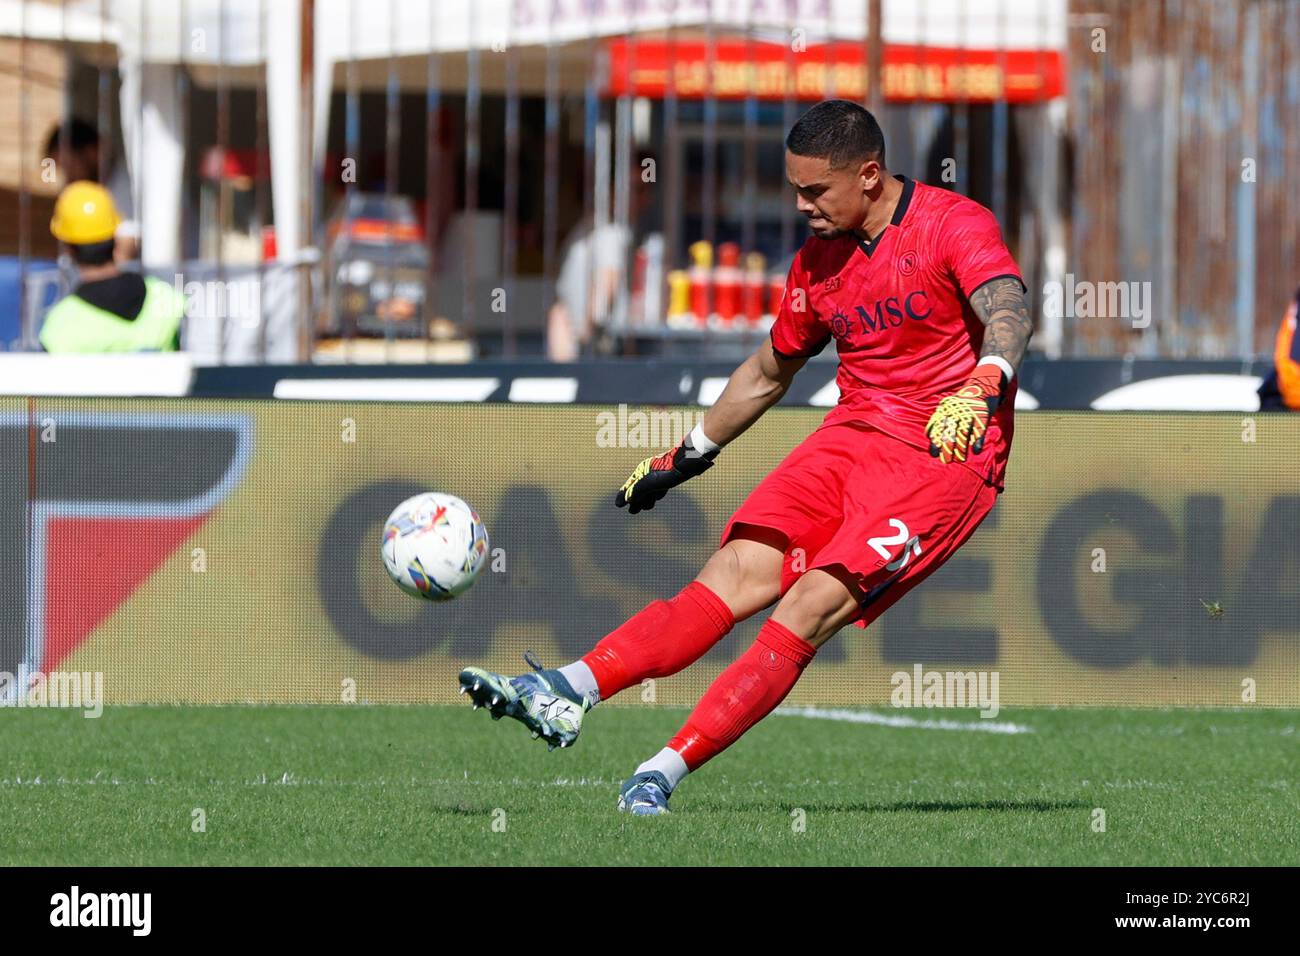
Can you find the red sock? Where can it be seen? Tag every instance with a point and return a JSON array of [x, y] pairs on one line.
[[661, 639], [743, 694]]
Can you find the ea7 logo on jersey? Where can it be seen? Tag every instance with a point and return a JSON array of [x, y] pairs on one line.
[[911, 546]]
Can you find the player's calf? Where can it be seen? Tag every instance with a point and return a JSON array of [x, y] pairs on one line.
[[740, 697], [663, 638]]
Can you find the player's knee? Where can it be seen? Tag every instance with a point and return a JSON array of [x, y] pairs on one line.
[[741, 578], [817, 605]]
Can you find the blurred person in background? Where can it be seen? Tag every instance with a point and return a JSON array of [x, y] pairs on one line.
[[593, 266], [80, 160], [109, 310], [1281, 390]]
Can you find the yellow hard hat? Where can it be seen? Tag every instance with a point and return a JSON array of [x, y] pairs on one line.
[[83, 214]]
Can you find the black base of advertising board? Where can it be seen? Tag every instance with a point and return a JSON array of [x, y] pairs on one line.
[[1066, 384]]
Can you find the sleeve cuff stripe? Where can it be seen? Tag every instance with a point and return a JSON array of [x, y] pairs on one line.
[[794, 355], [1005, 275]]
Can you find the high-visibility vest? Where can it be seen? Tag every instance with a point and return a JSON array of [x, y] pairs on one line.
[[1286, 356], [74, 325]]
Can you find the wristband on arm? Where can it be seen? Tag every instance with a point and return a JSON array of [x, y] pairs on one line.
[[701, 442]]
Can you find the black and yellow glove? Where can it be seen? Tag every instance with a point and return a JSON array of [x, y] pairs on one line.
[[652, 478], [959, 423]]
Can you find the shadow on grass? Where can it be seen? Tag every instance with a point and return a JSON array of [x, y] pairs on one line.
[[460, 810], [951, 806]]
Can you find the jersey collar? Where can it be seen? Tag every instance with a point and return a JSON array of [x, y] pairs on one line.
[[909, 187]]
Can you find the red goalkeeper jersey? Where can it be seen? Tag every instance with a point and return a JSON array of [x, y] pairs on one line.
[[898, 308]]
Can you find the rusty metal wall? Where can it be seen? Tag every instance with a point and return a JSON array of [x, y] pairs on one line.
[[1184, 153]]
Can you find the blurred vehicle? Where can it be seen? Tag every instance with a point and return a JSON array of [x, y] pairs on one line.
[[376, 265]]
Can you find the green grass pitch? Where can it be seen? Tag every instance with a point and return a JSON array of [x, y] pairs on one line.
[[444, 785]]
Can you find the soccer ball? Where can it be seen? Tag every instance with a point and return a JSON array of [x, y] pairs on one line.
[[434, 546]]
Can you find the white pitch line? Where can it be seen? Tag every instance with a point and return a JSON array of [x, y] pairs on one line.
[[887, 720]]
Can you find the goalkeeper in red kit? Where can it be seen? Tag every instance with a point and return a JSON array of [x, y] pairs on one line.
[[927, 311]]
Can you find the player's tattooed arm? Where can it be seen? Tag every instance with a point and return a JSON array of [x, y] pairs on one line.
[[1001, 306]]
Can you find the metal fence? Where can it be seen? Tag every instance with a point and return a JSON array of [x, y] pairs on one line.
[[442, 179]]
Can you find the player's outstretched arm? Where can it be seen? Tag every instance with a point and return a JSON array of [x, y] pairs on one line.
[[958, 424], [754, 387]]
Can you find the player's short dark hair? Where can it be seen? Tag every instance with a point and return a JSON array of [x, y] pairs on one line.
[[841, 132], [80, 135], [93, 253]]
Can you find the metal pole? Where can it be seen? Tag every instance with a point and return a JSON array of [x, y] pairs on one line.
[[623, 158], [875, 65], [961, 110], [709, 185], [510, 187], [392, 156], [672, 158], [1245, 225], [550, 172], [306, 72], [433, 173], [590, 183], [352, 145], [103, 116], [748, 225], [1001, 123], [223, 186], [788, 118], [183, 101], [261, 175], [473, 103], [29, 333]]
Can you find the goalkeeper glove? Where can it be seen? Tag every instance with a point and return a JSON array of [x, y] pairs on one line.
[[958, 424], [654, 476]]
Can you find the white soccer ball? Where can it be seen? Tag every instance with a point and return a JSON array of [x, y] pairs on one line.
[[434, 546]]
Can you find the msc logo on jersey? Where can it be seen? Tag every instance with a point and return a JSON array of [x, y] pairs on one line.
[[880, 316]]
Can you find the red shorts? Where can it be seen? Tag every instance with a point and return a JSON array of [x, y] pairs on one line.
[[882, 510]]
